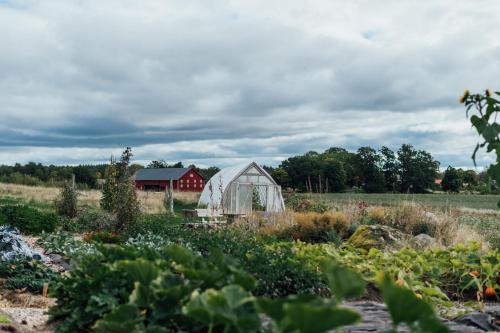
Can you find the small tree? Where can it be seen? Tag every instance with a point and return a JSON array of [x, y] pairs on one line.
[[66, 203], [109, 190], [126, 203], [119, 195]]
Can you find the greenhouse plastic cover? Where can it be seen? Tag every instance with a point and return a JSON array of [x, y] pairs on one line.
[[218, 186]]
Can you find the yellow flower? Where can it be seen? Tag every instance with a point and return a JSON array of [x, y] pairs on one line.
[[464, 96], [488, 92]]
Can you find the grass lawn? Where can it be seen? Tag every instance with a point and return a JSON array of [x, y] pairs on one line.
[[441, 200]]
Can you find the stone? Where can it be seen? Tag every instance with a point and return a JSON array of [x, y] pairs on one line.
[[55, 258], [423, 241], [487, 320], [376, 318], [378, 236]]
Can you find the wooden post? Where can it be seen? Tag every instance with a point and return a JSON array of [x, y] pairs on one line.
[[73, 180], [171, 196]]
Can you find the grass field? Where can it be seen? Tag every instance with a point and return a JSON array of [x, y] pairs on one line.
[[436, 200], [150, 202]]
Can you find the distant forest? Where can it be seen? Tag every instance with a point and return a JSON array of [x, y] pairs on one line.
[[407, 170]]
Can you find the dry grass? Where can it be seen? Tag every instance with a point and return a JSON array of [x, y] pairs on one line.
[[150, 202]]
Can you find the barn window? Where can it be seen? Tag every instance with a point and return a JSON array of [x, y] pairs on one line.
[[195, 181], [182, 186], [191, 175], [187, 185], [182, 180]]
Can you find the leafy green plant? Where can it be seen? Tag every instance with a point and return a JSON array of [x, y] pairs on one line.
[[130, 289], [486, 108], [405, 307], [27, 219], [65, 244], [26, 273]]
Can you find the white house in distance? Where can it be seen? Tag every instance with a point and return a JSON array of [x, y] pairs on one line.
[[235, 190]]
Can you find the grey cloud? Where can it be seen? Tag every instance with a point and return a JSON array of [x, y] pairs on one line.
[[105, 75]]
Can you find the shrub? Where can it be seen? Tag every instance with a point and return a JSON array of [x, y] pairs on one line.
[[105, 237], [300, 204], [66, 204], [315, 227], [27, 219], [376, 214], [93, 219], [372, 215]]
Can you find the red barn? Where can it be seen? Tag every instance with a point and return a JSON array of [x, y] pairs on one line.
[[184, 179]]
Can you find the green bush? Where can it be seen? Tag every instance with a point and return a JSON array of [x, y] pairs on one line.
[[27, 219]]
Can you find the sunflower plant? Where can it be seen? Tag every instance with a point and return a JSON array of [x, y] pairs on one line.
[[485, 108]]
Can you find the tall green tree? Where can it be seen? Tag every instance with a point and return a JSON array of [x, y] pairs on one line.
[[390, 168], [368, 166], [418, 169], [452, 180]]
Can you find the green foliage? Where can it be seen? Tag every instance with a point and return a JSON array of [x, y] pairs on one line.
[[119, 196], [438, 274], [91, 219], [305, 313], [65, 244], [36, 174], [343, 282], [486, 108], [66, 204], [374, 171], [405, 307], [27, 219], [106, 237], [158, 283], [109, 191], [129, 289], [299, 203], [418, 170], [367, 163], [26, 273]]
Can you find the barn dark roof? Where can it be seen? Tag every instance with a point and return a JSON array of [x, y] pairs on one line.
[[160, 174]]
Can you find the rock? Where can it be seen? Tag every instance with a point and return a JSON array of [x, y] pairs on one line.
[[488, 320], [375, 318], [55, 258], [12, 245], [431, 217], [423, 241], [378, 236]]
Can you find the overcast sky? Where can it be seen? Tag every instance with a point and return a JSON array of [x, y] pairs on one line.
[[216, 82]]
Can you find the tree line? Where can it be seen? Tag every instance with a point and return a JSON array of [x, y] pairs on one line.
[[407, 170], [86, 175]]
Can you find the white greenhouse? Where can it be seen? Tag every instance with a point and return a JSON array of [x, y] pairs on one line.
[[241, 189]]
